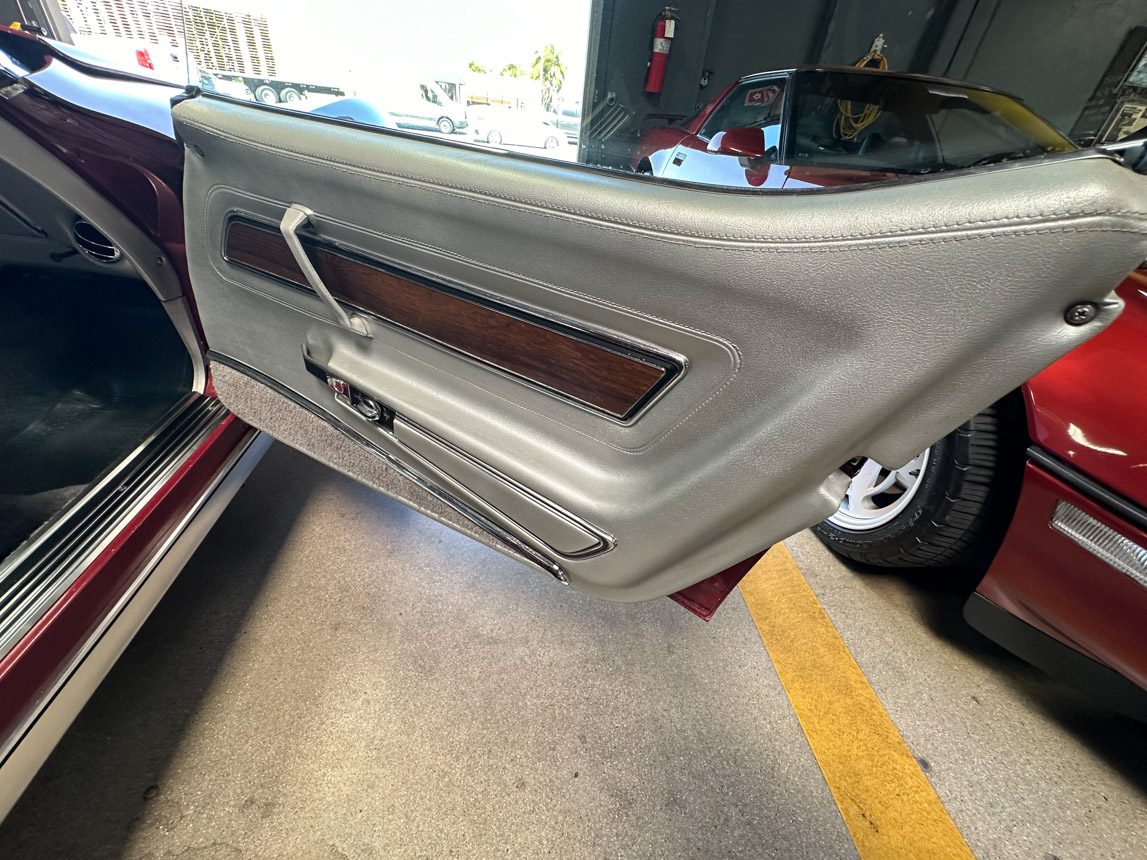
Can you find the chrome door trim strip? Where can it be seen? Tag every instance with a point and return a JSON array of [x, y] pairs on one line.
[[518, 547], [605, 542], [22, 754], [36, 574]]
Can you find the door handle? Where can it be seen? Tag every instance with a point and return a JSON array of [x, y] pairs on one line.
[[294, 218]]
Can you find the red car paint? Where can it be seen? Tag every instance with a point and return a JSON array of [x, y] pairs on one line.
[[1090, 407], [705, 597], [664, 150], [1089, 410], [665, 137], [1056, 586]]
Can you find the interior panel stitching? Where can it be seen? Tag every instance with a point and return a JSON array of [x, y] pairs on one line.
[[376, 173], [764, 247]]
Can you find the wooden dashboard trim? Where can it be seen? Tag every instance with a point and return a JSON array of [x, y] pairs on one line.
[[593, 369]]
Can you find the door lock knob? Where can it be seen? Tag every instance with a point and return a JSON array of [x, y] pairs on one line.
[[367, 407]]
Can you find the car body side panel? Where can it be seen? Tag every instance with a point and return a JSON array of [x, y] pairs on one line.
[[655, 146], [1090, 407], [692, 161], [1055, 585]]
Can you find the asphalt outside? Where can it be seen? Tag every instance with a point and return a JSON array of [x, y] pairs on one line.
[[334, 675]]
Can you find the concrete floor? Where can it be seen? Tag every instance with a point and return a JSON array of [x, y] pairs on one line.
[[333, 675]]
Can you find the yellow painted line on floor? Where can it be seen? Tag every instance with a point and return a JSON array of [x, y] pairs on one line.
[[888, 805]]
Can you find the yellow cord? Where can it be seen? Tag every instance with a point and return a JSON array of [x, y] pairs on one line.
[[849, 123]]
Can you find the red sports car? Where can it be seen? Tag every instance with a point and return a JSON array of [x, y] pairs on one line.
[[822, 126], [634, 387], [1047, 490]]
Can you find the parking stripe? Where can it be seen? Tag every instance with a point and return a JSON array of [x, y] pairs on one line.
[[888, 804]]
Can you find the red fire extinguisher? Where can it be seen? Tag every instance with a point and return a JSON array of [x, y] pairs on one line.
[[663, 32]]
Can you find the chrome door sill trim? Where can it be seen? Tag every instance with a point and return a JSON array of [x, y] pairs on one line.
[[29, 746], [37, 573]]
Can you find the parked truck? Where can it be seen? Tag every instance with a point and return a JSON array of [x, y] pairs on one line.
[[274, 90], [237, 47], [226, 45]]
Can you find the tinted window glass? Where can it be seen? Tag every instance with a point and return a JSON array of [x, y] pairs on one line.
[[881, 122], [754, 104], [683, 94]]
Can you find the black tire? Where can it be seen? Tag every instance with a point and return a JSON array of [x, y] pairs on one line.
[[493, 137], [963, 505], [552, 143], [290, 94], [267, 95], [446, 125], [645, 168]]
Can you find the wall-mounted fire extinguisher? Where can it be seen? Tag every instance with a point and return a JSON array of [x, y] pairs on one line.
[[663, 33]]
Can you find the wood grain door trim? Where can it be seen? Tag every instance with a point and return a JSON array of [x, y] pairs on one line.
[[593, 369]]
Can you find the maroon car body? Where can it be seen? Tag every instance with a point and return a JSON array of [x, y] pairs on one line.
[[117, 139]]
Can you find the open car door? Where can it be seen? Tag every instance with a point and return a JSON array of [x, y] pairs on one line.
[[628, 383]]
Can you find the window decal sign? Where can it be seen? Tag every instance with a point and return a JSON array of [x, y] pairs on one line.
[[761, 95]]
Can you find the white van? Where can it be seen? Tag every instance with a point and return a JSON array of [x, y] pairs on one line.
[[422, 104]]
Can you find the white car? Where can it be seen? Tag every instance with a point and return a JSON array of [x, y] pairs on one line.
[[518, 127]]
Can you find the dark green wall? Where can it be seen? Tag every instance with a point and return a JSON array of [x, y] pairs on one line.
[[1051, 53]]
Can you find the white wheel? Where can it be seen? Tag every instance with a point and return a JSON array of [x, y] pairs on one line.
[[290, 94], [267, 95], [494, 138], [446, 125], [877, 495], [552, 143], [947, 508]]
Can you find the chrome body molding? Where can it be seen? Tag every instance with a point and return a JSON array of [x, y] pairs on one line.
[[34, 576], [1120, 505], [22, 754]]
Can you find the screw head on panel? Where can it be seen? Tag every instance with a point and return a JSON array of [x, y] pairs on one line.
[[1081, 313]]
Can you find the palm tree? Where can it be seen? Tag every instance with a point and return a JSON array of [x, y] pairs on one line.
[[549, 69], [512, 70]]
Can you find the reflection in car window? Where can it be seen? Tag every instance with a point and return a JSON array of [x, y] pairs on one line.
[[761, 94], [889, 123], [754, 104]]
